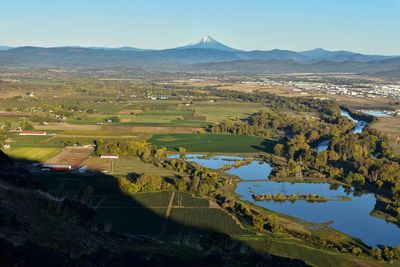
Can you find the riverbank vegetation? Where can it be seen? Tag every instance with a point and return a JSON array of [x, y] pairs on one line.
[[293, 197]]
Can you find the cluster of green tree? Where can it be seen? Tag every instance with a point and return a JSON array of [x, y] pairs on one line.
[[292, 197], [385, 253], [327, 107], [26, 125], [3, 137], [351, 158], [248, 215], [59, 110], [271, 123], [379, 253], [201, 180], [143, 183], [145, 151], [236, 164], [45, 118], [113, 119]]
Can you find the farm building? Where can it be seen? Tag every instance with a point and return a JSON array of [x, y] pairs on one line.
[[109, 156], [56, 167], [33, 133]]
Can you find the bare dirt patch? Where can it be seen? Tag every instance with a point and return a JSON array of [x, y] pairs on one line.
[[155, 129], [73, 156]]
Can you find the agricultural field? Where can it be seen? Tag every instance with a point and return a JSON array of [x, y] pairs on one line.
[[134, 166], [213, 143], [81, 114], [34, 154], [146, 213], [73, 156], [218, 111], [98, 164], [203, 220], [187, 200]]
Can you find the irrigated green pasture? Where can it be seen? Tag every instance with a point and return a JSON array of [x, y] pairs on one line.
[[133, 165], [37, 154], [213, 143]]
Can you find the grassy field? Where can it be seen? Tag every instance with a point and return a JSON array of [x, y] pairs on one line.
[[133, 165], [212, 143], [73, 156], [204, 219], [95, 163], [218, 111], [187, 200], [296, 249], [37, 154], [144, 213], [391, 127]]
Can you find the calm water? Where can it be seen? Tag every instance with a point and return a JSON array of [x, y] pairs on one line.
[[351, 217], [213, 162], [376, 113], [323, 145], [253, 171]]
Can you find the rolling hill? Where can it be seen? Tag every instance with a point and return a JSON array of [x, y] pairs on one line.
[[204, 55]]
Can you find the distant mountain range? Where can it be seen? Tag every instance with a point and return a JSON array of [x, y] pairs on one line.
[[208, 43], [205, 55]]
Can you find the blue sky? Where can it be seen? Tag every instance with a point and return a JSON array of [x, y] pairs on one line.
[[368, 26]]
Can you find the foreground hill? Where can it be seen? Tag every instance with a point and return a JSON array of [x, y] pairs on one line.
[[39, 229]]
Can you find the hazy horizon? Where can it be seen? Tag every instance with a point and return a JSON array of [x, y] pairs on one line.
[[366, 27]]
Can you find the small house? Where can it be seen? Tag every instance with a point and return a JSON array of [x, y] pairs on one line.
[[109, 156]]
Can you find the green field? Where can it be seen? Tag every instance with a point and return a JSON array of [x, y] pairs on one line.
[[37, 154], [187, 200], [133, 165], [296, 249], [218, 111], [203, 220], [213, 143], [144, 213]]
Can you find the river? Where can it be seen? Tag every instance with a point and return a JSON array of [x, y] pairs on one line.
[[360, 124]]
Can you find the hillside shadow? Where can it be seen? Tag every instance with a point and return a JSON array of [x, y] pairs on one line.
[[116, 211], [266, 145]]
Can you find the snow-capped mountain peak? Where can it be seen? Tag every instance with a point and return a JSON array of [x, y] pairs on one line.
[[207, 42], [205, 39]]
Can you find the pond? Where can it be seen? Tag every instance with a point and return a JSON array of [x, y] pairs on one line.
[[351, 217], [377, 113]]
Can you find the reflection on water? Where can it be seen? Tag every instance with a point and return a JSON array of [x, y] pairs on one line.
[[351, 217], [360, 124], [378, 113]]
